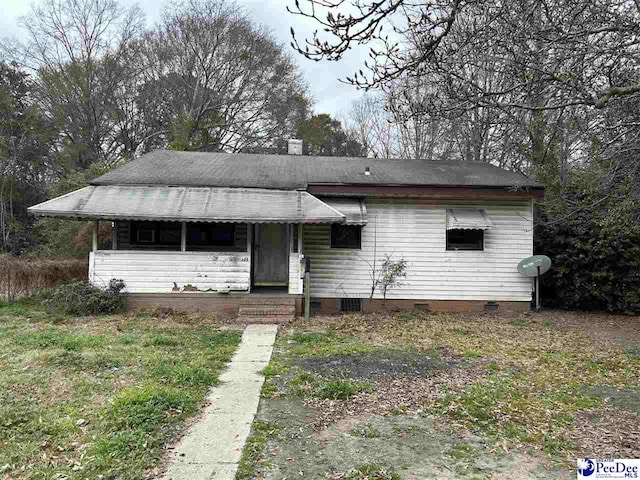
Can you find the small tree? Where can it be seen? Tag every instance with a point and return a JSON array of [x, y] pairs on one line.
[[389, 275]]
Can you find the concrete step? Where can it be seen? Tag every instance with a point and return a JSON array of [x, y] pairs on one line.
[[266, 309], [280, 319], [262, 310], [259, 300]]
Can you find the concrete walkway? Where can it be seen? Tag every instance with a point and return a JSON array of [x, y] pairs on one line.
[[212, 448]]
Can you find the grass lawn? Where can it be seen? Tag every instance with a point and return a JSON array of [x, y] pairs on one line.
[[428, 395], [100, 397]]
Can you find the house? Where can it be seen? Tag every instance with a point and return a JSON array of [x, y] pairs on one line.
[[216, 231]]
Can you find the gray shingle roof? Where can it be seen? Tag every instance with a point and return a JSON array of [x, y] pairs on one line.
[[291, 172]]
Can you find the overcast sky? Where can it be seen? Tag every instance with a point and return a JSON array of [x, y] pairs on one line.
[[330, 95]]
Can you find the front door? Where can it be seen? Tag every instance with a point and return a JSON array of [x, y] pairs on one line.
[[270, 251]]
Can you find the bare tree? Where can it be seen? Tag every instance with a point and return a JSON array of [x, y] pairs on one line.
[[218, 81], [81, 51], [574, 53], [419, 133], [371, 125]]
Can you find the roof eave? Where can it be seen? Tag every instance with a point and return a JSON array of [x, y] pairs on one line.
[[435, 191], [431, 185], [114, 216]]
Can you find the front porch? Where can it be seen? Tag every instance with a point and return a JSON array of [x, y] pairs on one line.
[[202, 248], [253, 270], [173, 257]]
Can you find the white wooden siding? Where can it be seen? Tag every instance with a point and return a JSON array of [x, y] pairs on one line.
[[296, 272], [147, 272], [416, 230]]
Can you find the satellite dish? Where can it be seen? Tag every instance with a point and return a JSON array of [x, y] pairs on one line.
[[534, 266]]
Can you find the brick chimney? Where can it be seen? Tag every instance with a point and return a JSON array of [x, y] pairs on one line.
[[295, 146]]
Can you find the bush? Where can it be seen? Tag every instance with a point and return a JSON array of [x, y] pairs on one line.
[[82, 298], [596, 263], [22, 276]]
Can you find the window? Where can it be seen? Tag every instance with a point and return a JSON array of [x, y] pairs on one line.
[[211, 235], [145, 235], [156, 234], [463, 239], [345, 236], [169, 233]]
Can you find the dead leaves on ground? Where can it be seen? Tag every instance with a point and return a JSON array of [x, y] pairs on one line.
[[547, 355]]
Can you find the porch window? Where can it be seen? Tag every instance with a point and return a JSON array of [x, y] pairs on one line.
[[346, 236], [145, 235], [464, 239], [203, 235], [155, 234]]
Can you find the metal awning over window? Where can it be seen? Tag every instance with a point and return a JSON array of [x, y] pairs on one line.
[[354, 209], [190, 204], [468, 219]]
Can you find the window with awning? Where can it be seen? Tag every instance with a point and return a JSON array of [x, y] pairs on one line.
[[468, 219], [466, 228], [354, 209]]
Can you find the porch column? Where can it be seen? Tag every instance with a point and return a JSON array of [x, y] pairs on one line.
[[183, 237], [249, 251], [249, 238], [295, 232], [290, 233], [94, 236], [114, 235]]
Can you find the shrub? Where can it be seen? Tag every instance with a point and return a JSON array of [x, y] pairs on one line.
[[595, 266], [82, 298], [22, 276]]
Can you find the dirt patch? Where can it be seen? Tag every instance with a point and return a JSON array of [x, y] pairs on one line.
[[500, 384], [344, 425], [622, 398], [528, 467], [392, 395], [407, 444], [376, 364]]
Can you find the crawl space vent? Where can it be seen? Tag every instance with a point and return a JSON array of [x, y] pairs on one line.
[[491, 307], [314, 305], [350, 304]]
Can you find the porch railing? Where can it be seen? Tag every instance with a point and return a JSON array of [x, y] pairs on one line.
[[150, 272]]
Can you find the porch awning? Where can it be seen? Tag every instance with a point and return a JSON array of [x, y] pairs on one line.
[[190, 204], [354, 209], [468, 219]]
